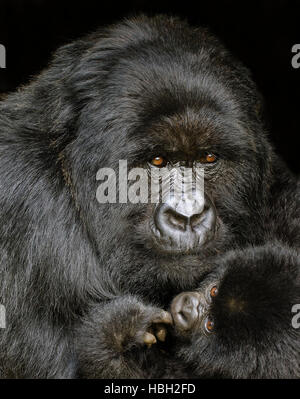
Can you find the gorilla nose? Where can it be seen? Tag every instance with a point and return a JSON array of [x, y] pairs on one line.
[[185, 224], [176, 220]]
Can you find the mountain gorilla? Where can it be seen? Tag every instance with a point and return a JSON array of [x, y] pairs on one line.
[[91, 289]]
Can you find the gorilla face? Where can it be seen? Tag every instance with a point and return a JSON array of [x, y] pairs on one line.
[[188, 223], [176, 100]]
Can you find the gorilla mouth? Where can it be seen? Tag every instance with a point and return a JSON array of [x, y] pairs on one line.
[[185, 243]]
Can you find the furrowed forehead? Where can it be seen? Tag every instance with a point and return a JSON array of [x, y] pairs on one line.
[[175, 109], [185, 133]]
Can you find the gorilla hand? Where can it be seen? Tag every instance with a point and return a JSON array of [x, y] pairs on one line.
[[113, 340]]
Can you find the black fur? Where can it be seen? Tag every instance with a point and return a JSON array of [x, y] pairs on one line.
[[253, 335], [71, 267]]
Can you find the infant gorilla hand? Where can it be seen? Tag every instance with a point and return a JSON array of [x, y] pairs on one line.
[[191, 311]]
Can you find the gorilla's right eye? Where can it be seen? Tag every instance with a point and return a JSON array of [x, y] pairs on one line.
[[158, 161], [214, 291]]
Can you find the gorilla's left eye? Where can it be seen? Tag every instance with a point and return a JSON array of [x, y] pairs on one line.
[[158, 161], [208, 157], [209, 325]]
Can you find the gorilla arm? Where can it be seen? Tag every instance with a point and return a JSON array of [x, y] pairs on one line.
[[114, 339]]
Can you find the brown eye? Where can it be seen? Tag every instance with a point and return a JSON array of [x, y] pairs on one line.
[[214, 292], [158, 161], [209, 325], [208, 158]]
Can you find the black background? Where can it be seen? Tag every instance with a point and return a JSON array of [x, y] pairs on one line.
[[260, 33]]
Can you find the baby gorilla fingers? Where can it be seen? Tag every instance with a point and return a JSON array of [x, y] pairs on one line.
[[158, 328]]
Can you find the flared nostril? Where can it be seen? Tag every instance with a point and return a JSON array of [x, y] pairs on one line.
[[196, 220], [182, 222], [176, 220]]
